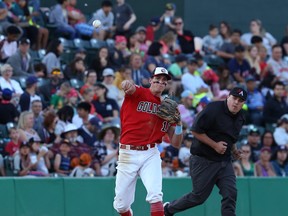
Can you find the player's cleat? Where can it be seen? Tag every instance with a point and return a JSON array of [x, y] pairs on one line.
[[165, 206]]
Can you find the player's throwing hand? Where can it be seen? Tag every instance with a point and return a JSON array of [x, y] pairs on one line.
[[128, 87]]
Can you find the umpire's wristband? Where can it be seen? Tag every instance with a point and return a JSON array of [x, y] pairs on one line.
[[178, 129]]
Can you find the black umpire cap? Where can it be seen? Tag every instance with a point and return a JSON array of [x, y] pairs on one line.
[[239, 92]]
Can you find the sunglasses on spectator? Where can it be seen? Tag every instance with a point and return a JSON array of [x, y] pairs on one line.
[[178, 23]]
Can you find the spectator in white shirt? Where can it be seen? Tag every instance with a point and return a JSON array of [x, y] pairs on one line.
[[281, 132], [7, 82], [277, 65], [192, 80]]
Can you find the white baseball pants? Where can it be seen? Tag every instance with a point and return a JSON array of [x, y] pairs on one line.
[[131, 163]]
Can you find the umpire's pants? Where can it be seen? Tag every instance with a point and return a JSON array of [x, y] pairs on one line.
[[205, 174]]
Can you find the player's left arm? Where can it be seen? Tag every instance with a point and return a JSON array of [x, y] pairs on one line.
[[175, 137]]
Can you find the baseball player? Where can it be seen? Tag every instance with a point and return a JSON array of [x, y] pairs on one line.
[[141, 131]]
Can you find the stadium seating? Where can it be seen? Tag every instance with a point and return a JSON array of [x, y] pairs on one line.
[[96, 44]]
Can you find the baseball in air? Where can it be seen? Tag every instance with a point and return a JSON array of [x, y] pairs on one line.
[[96, 23]]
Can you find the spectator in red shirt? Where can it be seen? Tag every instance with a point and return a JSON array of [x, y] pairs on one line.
[[153, 26], [13, 145]]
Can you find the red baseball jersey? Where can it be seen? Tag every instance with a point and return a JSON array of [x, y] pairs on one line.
[[139, 123]]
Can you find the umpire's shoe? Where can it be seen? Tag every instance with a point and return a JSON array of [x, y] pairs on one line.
[[166, 212]]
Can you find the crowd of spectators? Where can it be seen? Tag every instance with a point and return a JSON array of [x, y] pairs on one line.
[[61, 86]]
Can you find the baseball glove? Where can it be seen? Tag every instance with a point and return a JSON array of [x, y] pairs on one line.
[[168, 111]]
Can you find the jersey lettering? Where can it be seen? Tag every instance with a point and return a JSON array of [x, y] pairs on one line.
[[148, 107]]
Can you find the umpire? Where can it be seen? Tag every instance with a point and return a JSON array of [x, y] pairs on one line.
[[216, 130]]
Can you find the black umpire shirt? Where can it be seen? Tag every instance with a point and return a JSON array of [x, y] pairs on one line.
[[219, 124]]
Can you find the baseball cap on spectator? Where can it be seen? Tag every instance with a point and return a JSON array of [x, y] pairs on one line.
[[120, 39], [161, 71], [187, 94], [140, 29], [31, 80], [210, 75], [170, 6], [72, 93], [263, 149], [250, 78], [108, 72], [155, 21], [239, 92], [282, 148], [204, 101], [35, 139], [95, 122], [254, 131], [181, 58], [24, 144], [85, 159], [24, 41], [192, 61], [7, 94], [188, 136]]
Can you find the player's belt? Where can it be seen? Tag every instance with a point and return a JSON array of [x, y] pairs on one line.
[[138, 148]]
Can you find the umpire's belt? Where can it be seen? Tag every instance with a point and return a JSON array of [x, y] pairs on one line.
[[138, 148]]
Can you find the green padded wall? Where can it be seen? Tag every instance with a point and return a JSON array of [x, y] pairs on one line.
[[94, 196]]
